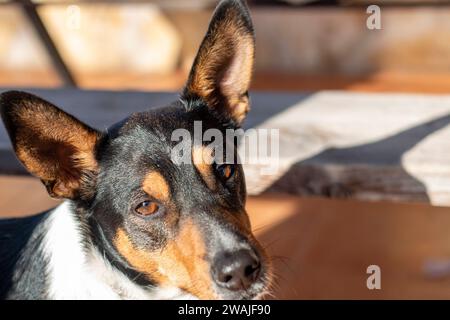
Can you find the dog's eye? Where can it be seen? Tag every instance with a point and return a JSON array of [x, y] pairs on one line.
[[147, 208], [225, 171]]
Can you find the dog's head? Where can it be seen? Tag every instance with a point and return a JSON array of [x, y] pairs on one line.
[[166, 224]]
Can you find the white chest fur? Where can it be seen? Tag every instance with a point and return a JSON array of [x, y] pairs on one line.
[[79, 273]]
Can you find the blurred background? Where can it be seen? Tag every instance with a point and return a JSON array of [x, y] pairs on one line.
[[301, 44], [363, 114]]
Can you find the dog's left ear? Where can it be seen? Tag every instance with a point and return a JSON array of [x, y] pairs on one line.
[[51, 144], [222, 69]]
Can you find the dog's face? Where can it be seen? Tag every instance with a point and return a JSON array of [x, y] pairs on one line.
[[183, 225], [166, 224]]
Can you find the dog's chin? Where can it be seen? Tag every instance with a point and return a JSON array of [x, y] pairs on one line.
[[257, 291]]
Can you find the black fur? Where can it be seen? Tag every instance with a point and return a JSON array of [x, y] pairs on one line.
[[22, 264]]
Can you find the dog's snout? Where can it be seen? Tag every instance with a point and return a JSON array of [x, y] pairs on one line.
[[236, 270]]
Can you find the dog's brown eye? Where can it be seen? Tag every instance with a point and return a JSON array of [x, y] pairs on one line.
[[147, 208], [226, 171]]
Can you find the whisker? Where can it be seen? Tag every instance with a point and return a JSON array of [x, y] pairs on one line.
[[267, 245], [263, 226]]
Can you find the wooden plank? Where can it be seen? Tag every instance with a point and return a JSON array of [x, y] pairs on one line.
[[321, 248], [341, 144], [360, 145], [21, 196]]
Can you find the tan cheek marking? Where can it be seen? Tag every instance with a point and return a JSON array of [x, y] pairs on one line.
[[203, 159], [156, 185], [139, 259], [180, 264]]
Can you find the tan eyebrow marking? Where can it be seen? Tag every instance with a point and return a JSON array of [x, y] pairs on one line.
[[203, 159], [156, 185]]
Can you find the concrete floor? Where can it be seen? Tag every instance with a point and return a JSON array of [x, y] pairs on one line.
[[322, 248]]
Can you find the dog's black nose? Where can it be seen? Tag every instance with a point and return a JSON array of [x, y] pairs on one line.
[[236, 270]]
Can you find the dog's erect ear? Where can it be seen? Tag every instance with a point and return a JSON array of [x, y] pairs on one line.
[[52, 145], [222, 69]]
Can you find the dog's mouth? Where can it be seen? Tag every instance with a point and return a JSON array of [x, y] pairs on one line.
[[258, 291]]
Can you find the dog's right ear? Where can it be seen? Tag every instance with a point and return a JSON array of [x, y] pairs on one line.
[[51, 144], [222, 70]]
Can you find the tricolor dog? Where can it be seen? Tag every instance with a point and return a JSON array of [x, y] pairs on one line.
[[134, 224]]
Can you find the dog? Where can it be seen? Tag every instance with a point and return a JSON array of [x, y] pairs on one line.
[[134, 224]]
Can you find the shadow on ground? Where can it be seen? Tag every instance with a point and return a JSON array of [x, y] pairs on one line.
[[318, 175]]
